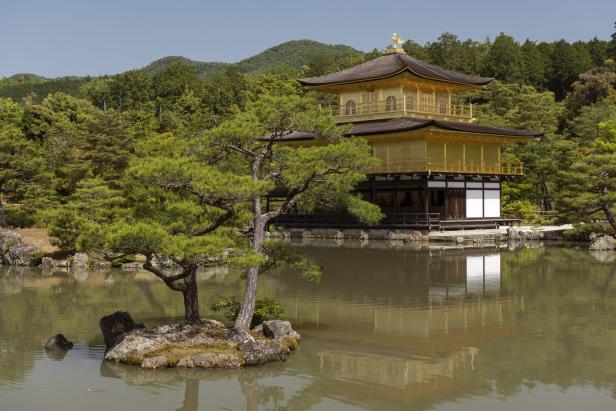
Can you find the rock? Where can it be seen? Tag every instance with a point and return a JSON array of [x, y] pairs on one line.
[[131, 343], [408, 236], [154, 362], [114, 325], [377, 234], [131, 266], [211, 360], [81, 260], [58, 343], [163, 262], [513, 234], [594, 236], [416, 235], [20, 255], [326, 233], [259, 352], [101, 264], [352, 233], [240, 337], [47, 263], [279, 330], [533, 235], [210, 323], [13, 251], [603, 243], [8, 239], [62, 264], [258, 329]]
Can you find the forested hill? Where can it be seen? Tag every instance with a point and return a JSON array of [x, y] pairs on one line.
[[291, 55], [552, 66]]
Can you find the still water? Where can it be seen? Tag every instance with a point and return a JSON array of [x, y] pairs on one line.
[[483, 329]]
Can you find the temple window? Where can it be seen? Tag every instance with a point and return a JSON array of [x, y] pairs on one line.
[[350, 108], [442, 107], [410, 103], [391, 104]]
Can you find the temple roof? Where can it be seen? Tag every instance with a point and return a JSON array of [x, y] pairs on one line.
[[390, 65], [396, 125]]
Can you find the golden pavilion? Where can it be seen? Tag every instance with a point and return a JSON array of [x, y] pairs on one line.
[[439, 169]]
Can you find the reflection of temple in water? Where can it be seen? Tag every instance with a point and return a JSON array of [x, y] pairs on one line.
[[466, 276], [411, 293], [434, 309]]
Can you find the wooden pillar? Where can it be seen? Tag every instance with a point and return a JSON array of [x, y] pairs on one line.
[[444, 156], [446, 205], [417, 104], [482, 160], [373, 190]]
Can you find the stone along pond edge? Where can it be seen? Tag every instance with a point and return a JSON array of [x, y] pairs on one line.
[[14, 251]]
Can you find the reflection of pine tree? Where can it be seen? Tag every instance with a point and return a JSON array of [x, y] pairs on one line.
[[191, 396]]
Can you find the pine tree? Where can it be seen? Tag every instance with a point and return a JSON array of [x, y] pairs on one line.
[[588, 186]]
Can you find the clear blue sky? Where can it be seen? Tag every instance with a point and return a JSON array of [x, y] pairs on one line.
[[78, 37]]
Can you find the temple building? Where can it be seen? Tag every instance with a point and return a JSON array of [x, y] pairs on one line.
[[439, 169]]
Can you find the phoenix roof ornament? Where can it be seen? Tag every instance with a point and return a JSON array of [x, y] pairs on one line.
[[396, 44]]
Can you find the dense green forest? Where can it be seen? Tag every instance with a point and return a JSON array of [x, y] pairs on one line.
[[65, 142]]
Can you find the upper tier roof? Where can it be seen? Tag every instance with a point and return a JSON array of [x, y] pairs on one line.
[[397, 125], [390, 65]]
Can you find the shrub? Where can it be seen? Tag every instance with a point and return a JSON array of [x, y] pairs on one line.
[[19, 217], [265, 309], [581, 232]]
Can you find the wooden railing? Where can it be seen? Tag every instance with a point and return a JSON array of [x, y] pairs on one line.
[[404, 166], [404, 107]]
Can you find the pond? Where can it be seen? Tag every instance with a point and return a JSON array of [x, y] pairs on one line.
[[384, 329]]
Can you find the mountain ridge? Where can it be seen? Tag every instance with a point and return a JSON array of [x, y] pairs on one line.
[[293, 54]]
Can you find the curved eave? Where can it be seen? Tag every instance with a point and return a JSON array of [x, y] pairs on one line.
[[471, 129], [306, 81]]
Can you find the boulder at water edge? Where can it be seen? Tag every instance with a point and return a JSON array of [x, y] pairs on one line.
[[605, 242], [114, 325], [58, 343]]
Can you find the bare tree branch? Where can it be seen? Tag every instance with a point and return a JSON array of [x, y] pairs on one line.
[[169, 281], [217, 223], [242, 150]]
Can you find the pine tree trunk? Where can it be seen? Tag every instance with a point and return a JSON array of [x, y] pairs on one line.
[[191, 298], [545, 193], [609, 214], [2, 213], [244, 318]]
